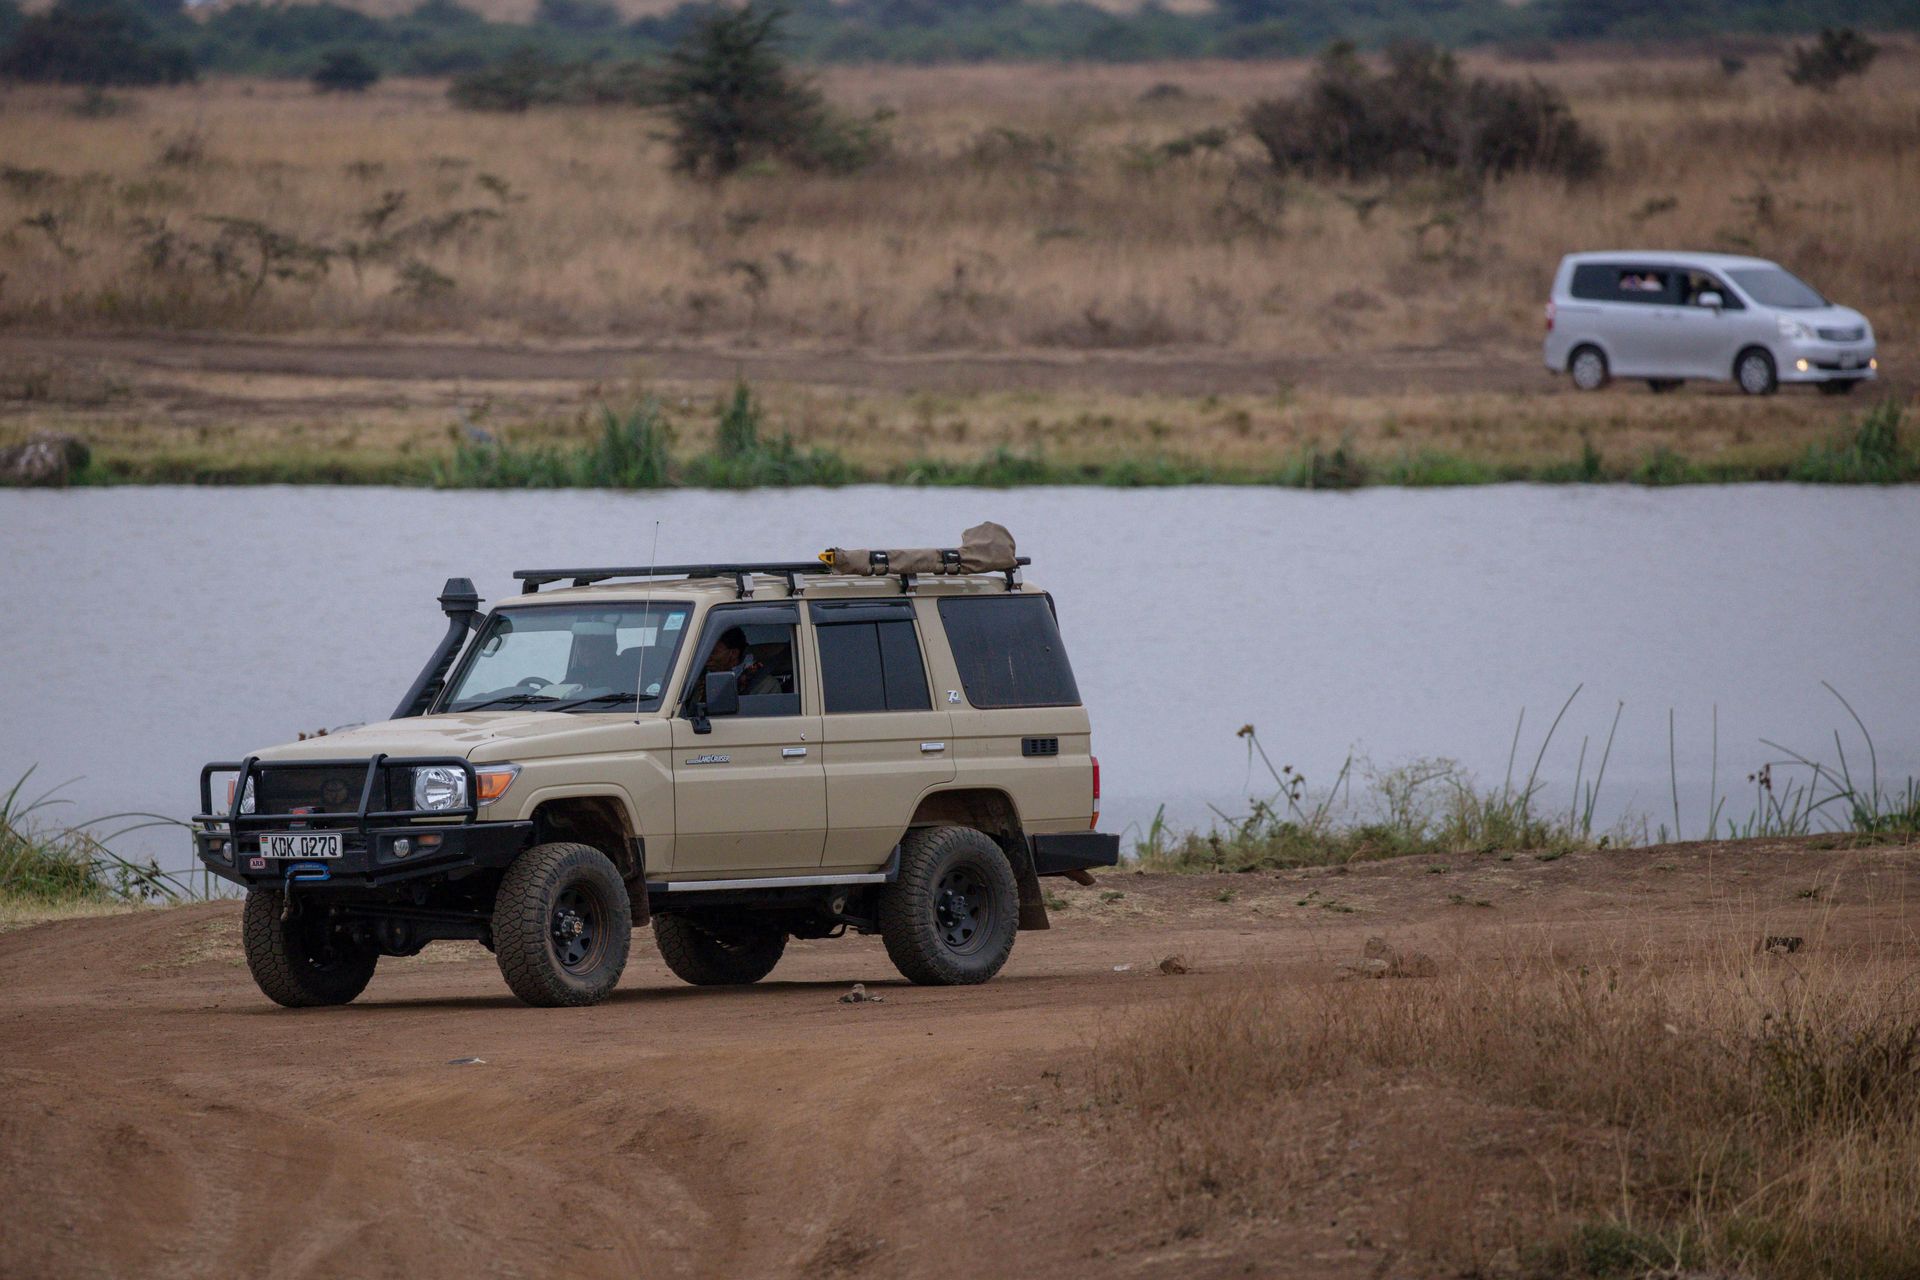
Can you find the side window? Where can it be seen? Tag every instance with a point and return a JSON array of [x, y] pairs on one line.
[[1695, 283], [1595, 282], [761, 656], [872, 666], [1009, 651]]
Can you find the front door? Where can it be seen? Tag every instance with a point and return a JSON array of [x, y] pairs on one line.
[[886, 743], [750, 794]]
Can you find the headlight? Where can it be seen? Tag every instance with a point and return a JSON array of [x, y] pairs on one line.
[[246, 801], [1793, 329], [439, 787]]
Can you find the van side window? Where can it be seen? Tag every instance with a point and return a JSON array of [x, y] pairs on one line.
[[1009, 652], [872, 666], [1623, 282], [1695, 283]]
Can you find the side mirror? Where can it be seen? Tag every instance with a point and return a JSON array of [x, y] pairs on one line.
[[1709, 298], [723, 693]]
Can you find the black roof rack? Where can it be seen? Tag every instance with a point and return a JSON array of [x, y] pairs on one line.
[[533, 579]]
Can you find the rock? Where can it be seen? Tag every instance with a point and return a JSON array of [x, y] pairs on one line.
[[1173, 965], [45, 461]]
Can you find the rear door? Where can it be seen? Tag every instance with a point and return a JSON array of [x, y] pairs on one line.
[[886, 742], [750, 795]]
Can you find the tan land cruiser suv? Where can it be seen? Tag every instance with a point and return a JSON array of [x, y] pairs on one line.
[[883, 742]]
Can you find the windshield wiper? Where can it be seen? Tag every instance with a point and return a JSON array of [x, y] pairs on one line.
[[509, 700], [600, 698]]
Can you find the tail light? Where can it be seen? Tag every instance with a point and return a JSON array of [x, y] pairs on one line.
[[1094, 823], [1549, 317]]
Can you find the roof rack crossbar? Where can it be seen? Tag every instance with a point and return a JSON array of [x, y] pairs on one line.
[[533, 579]]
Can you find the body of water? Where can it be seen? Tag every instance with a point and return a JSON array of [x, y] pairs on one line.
[[145, 631]]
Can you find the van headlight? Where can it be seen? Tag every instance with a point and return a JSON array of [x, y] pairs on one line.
[[439, 787], [1793, 329]]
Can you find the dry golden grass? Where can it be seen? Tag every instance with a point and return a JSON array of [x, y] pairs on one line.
[[1552, 1108], [1076, 235]]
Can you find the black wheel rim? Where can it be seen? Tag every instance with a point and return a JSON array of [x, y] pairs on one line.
[[577, 928], [963, 910]]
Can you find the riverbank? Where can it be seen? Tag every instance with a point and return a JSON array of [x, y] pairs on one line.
[[158, 412]]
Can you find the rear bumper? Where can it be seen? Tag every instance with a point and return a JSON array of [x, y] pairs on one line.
[[1063, 852], [368, 858]]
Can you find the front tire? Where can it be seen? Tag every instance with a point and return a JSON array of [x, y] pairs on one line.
[[1587, 366], [950, 917], [303, 960], [1754, 371], [562, 924], [718, 953]]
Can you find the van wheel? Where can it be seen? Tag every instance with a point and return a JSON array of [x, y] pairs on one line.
[[305, 960], [1838, 387], [1661, 386], [717, 953], [562, 924], [950, 917], [1754, 371], [1588, 366]]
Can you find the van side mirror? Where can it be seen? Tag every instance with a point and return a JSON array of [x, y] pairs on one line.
[[723, 693], [1709, 298]]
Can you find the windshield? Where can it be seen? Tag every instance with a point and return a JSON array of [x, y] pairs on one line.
[[1773, 287], [566, 658]]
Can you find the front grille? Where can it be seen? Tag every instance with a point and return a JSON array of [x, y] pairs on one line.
[[1843, 335], [326, 789]]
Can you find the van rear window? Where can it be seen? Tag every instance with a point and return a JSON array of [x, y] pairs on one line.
[[1009, 651]]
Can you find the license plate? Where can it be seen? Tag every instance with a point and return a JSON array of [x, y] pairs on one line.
[[1849, 360], [300, 844]]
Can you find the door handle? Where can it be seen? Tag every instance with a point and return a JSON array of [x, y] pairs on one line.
[[930, 747], [793, 753]]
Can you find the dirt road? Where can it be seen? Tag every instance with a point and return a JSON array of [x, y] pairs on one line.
[[1388, 370], [159, 1117]]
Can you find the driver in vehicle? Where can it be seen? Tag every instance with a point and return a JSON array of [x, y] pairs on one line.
[[730, 653]]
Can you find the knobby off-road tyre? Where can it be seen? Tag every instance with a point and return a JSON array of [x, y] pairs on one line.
[[562, 923], [950, 917], [303, 961], [717, 955]]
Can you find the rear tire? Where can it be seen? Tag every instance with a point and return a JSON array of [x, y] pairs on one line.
[[1661, 386], [306, 960], [1838, 387], [718, 954], [562, 924], [1587, 366], [1754, 371], [950, 917]]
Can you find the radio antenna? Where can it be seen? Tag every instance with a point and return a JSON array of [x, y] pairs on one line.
[[646, 615]]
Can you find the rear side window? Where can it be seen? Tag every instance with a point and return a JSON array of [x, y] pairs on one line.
[[1009, 652], [872, 666], [1622, 282]]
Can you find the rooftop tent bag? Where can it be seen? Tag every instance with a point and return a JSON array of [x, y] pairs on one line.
[[985, 548]]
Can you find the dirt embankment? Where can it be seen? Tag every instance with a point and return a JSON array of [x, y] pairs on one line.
[[159, 1117]]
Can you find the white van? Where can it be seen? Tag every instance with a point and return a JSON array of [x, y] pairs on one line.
[[1671, 317]]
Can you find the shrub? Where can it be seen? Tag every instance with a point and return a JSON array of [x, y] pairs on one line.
[[732, 100], [1422, 114], [527, 79], [94, 42], [345, 71], [1836, 55]]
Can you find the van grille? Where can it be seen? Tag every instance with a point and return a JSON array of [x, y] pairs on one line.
[[1039, 746], [1843, 335]]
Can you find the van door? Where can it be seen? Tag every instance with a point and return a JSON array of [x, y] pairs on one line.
[[1705, 339], [750, 794], [1631, 314], [886, 742]]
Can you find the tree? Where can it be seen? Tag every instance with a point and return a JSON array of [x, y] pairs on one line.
[[732, 100], [94, 42], [1840, 53], [345, 71]]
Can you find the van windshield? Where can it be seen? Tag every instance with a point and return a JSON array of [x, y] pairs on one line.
[[1775, 287], [568, 658]]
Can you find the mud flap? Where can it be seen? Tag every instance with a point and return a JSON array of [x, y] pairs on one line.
[[1033, 904]]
